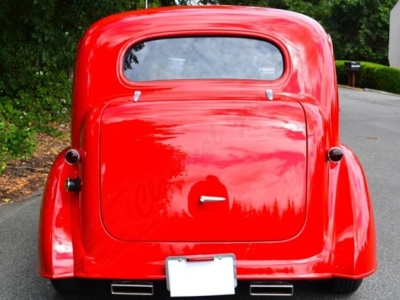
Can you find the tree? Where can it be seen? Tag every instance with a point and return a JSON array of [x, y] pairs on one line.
[[360, 29], [316, 9], [38, 42]]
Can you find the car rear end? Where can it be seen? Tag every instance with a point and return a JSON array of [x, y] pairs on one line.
[[207, 161]]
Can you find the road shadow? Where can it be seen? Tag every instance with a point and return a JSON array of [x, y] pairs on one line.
[[100, 290]]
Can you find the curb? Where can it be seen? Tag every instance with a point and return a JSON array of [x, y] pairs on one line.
[[367, 90], [350, 87], [381, 92], [23, 198]]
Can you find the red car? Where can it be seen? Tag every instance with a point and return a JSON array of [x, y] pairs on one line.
[[205, 150]]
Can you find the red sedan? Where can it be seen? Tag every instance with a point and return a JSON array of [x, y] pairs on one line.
[[205, 150]]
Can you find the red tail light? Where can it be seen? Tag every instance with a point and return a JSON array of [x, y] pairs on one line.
[[335, 154], [72, 157]]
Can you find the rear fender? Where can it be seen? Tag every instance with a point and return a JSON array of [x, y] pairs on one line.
[[354, 253], [56, 259]]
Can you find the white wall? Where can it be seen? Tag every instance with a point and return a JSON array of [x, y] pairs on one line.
[[394, 37]]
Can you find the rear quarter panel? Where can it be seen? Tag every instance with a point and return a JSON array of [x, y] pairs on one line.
[[56, 255], [354, 227]]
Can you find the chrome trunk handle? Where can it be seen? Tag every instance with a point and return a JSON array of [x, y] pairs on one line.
[[204, 199]]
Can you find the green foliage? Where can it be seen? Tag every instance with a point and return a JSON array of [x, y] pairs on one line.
[[15, 142], [39, 40], [388, 79], [316, 9], [30, 112], [373, 76], [16, 139], [360, 29], [341, 74]]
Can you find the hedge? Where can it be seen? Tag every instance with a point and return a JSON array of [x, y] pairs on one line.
[[373, 76]]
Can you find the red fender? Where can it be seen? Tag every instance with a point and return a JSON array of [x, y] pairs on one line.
[[56, 257], [354, 254]]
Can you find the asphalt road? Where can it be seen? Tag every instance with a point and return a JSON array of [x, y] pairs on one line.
[[370, 125]]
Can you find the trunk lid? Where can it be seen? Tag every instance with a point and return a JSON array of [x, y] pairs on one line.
[[203, 170]]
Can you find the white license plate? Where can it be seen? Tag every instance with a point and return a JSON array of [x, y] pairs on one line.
[[203, 275]]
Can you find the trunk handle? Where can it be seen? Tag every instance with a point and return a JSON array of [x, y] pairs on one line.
[[204, 199]]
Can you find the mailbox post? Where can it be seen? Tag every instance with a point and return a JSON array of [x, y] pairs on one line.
[[352, 68]]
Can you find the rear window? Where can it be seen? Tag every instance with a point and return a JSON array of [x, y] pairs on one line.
[[203, 58]]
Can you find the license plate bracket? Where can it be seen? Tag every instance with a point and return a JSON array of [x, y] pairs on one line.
[[201, 275]]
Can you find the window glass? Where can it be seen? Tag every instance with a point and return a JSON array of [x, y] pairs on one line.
[[203, 58]]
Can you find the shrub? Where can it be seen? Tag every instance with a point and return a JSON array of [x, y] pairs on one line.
[[45, 101], [341, 72], [16, 139], [373, 76]]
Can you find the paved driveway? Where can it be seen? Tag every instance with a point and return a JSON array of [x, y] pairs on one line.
[[370, 125]]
